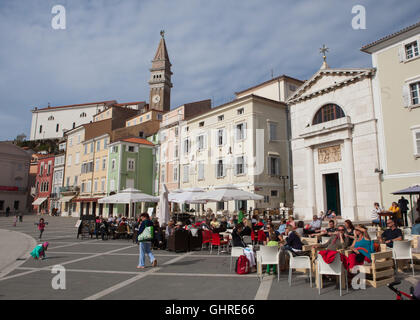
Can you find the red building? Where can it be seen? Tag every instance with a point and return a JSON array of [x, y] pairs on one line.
[[43, 184]]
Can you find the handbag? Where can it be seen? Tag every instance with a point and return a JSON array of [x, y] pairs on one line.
[[146, 235]]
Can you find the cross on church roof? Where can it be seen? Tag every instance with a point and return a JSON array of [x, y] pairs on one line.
[[324, 50], [162, 33]]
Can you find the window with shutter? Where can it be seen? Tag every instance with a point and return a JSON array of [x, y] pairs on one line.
[[415, 93], [201, 170]]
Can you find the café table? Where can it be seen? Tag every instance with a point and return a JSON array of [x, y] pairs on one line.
[[385, 214]]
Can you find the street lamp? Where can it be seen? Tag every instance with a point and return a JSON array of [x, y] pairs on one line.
[[284, 178]]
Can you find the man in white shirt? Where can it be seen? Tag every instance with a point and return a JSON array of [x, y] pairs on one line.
[[314, 226], [375, 214]]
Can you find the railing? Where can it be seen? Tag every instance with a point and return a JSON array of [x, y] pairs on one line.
[[69, 189]]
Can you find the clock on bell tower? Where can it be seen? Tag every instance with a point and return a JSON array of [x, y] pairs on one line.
[[160, 78]]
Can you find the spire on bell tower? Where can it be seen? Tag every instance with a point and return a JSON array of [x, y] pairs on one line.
[[160, 78], [324, 50]]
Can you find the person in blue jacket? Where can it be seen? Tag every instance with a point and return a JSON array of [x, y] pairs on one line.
[[145, 246]]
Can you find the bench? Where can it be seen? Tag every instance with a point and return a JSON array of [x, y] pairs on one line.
[[381, 271]]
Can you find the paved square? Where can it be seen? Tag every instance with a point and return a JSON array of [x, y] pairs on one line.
[[97, 269]]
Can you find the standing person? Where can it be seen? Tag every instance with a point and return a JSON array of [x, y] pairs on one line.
[[20, 217], [41, 227], [241, 215], [7, 211], [39, 251], [16, 219], [145, 245], [403, 204]]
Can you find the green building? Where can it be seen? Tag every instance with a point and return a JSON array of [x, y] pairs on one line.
[[131, 164]]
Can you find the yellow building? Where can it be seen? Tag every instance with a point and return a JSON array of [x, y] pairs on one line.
[[396, 95], [70, 190]]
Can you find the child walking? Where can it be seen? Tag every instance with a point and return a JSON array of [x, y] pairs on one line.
[[39, 251], [41, 227], [272, 243]]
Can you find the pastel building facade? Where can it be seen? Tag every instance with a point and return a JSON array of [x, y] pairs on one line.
[[396, 95]]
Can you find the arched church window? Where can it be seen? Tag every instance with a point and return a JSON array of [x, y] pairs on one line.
[[328, 112]]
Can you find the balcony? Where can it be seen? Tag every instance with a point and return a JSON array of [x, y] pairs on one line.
[[69, 189]]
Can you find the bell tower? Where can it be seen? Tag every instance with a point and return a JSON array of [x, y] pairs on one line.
[[160, 78]]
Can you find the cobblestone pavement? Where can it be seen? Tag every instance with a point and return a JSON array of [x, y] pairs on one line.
[[97, 269]]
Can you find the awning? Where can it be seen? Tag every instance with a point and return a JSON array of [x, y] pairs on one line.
[[39, 201], [86, 199], [66, 199]]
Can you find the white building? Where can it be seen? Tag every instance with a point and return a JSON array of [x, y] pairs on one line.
[[52, 122], [335, 144]]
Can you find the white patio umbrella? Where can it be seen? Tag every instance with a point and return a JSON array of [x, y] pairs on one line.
[[129, 196], [163, 206], [186, 196], [227, 193]]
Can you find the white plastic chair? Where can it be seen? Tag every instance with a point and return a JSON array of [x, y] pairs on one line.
[[373, 235], [407, 234], [300, 262], [334, 268], [268, 255], [235, 253], [402, 251]]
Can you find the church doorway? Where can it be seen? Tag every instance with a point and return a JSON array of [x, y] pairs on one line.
[[332, 191]]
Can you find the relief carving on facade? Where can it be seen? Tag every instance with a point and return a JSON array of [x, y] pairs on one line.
[[329, 154]]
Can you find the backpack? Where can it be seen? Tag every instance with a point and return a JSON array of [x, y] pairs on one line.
[[242, 265]]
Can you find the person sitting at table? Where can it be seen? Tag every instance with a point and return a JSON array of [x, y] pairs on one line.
[[314, 226], [237, 240], [299, 228], [337, 241], [273, 242], [397, 215], [375, 214], [328, 231], [270, 230], [214, 224], [362, 248], [391, 234], [282, 227], [349, 230], [292, 242], [247, 227], [291, 221], [223, 224], [415, 230], [259, 224]]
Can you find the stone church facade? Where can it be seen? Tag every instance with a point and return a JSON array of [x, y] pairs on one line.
[[335, 144]]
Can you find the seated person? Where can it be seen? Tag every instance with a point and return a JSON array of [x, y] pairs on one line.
[[397, 215], [291, 221], [247, 228], [375, 213], [270, 230], [391, 234], [327, 232], [282, 228], [214, 224], [299, 228], [237, 240], [330, 215], [273, 242], [362, 248], [416, 227], [292, 241], [314, 226], [337, 241]]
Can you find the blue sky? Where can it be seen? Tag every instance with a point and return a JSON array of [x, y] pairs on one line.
[[216, 47]]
